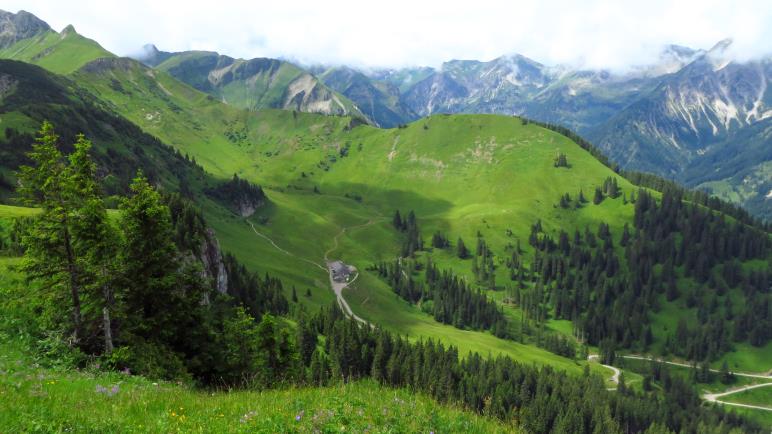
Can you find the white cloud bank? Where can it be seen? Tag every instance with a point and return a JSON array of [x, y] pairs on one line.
[[590, 33]]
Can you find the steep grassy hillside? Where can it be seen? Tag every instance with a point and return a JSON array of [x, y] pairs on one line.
[[33, 95], [61, 53], [462, 175]]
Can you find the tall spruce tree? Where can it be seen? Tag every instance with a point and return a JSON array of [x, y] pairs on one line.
[[50, 255], [149, 259], [94, 237]]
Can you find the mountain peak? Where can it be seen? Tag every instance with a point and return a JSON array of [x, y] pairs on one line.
[[18, 26], [150, 55], [69, 30], [150, 49], [719, 56], [721, 46]]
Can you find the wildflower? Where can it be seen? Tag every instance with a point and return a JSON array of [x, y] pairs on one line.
[[300, 415], [114, 390], [126, 371], [100, 389], [247, 417]]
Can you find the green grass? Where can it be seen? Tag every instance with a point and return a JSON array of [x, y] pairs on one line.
[[643, 367], [62, 53], [461, 174], [10, 212], [746, 357], [34, 397], [760, 416], [44, 400], [761, 396]]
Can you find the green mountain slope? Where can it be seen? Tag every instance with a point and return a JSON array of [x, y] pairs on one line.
[[256, 83], [32, 95], [280, 145], [333, 185], [61, 53], [460, 174]]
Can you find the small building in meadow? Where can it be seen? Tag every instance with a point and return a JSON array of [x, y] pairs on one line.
[[340, 271]]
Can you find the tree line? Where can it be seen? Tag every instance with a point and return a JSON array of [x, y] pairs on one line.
[[533, 399], [675, 249], [137, 299], [133, 286], [448, 298]]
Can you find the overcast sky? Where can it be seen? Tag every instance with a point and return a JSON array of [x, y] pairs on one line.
[[590, 33]]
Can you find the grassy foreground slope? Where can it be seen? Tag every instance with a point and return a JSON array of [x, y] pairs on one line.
[[38, 399], [57, 401]]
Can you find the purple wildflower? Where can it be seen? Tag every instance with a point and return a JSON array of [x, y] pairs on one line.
[[299, 415], [126, 371], [109, 392]]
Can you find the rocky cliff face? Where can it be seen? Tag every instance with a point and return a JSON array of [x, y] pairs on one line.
[[378, 100], [255, 83], [212, 260], [22, 25], [707, 125]]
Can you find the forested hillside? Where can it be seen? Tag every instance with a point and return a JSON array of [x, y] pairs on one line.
[[491, 264]]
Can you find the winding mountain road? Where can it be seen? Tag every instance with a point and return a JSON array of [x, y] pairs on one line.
[[710, 397], [713, 397], [614, 377], [337, 287], [739, 374]]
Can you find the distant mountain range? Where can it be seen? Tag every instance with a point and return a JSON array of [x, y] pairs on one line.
[[694, 116]]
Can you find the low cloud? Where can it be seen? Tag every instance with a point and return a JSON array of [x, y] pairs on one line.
[[594, 34]]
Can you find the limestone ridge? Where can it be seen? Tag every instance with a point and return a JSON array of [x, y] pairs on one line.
[[19, 26]]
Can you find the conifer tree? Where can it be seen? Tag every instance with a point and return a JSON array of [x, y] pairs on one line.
[[94, 237], [49, 251], [306, 339], [240, 348], [461, 250], [598, 197], [149, 259], [397, 221]]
